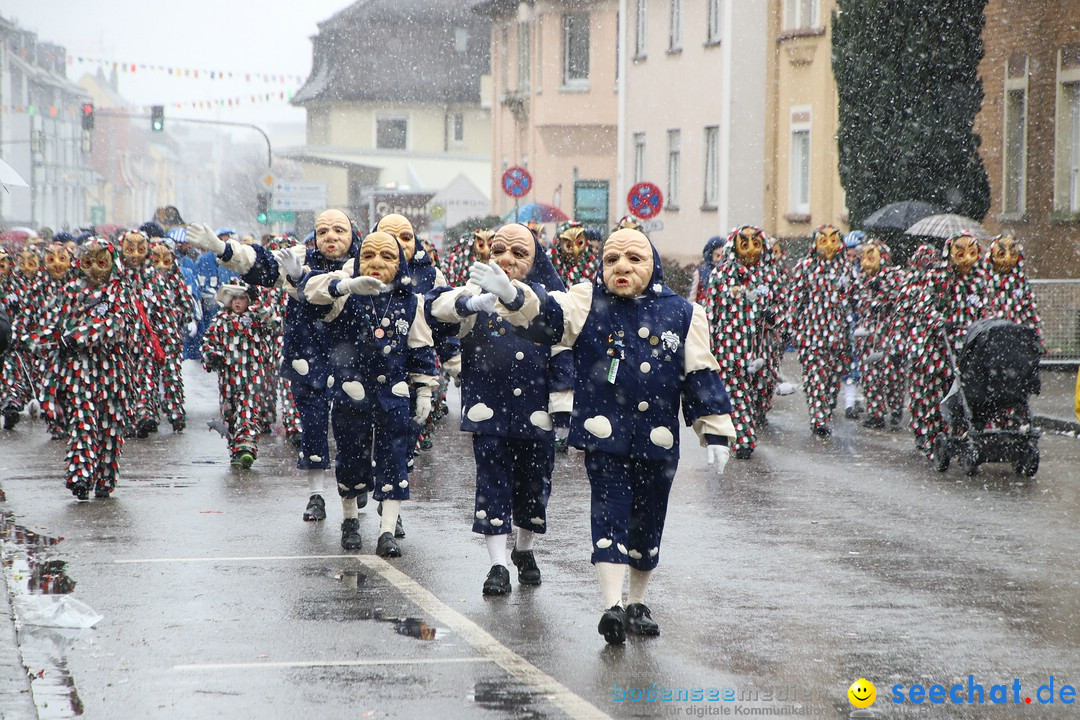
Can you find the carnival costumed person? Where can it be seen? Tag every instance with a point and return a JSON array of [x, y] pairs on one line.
[[384, 371], [510, 388], [474, 247], [740, 304], [13, 376], [235, 346], [880, 358], [146, 350], [90, 337], [820, 317], [305, 363], [572, 256], [902, 330], [953, 298], [852, 379], [176, 308], [711, 255], [57, 282], [277, 298], [1008, 293], [186, 256], [26, 301], [640, 352]]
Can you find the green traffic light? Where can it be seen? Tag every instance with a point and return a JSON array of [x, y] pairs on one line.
[[261, 217], [158, 126]]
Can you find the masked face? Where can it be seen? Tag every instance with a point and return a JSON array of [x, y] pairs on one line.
[[400, 227], [628, 263], [29, 263], [96, 264], [333, 234], [1004, 254], [481, 246], [572, 243], [57, 261], [871, 259], [748, 247], [963, 254], [827, 242], [161, 257], [134, 248], [7, 266], [514, 250], [379, 257]]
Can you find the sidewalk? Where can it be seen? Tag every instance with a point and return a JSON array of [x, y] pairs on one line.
[[16, 701], [1053, 408]]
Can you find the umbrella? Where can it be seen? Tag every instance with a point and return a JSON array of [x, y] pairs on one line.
[[947, 225], [536, 212], [8, 176], [899, 215]]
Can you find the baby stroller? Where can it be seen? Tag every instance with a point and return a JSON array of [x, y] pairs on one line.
[[995, 372]]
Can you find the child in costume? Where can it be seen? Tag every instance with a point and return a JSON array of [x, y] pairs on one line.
[[640, 353], [510, 388], [236, 346]]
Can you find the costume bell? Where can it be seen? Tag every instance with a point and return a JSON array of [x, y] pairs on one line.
[[510, 388], [383, 373], [820, 316], [640, 352], [877, 288]]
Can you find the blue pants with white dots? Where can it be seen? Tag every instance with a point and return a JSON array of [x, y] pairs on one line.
[[513, 483]]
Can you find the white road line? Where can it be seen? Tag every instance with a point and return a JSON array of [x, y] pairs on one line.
[[481, 640], [328, 663]]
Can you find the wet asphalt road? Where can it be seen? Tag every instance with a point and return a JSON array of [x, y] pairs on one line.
[[796, 573]]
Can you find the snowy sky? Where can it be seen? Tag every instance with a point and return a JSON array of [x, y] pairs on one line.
[[230, 35]]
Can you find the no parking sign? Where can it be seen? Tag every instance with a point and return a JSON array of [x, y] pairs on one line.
[[645, 200]]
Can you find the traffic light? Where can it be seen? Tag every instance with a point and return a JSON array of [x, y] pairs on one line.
[[157, 118], [262, 207], [87, 116]]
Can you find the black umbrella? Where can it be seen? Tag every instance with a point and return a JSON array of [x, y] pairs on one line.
[[899, 215]]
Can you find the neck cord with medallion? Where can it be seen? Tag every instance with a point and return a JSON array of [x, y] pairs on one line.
[[380, 320]]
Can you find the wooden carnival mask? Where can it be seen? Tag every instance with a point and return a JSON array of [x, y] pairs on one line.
[[514, 249], [57, 261], [871, 260], [380, 257], [964, 253], [96, 263], [628, 263], [333, 234], [1004, 253], [29, 263], [481, 244], [827, 242], [7, 266], [400, 227], [161, 257], [135, 247], [749, 244], [572, 242]]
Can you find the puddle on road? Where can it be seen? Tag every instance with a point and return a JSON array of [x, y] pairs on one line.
[[509, 699], [30, 569]]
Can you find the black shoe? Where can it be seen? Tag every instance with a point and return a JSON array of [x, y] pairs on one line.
[[744, 453], [399, 527], [11, 418], [822, 430], [611, 625], [426, 444], [896, 417], [386, 546], [179, 425], [293, 439], [498, 581], [102, 493], [639, 620], [80, 491], [144, 428], [316, 509], [874, 422], [528, 572], [350, 533], [851, 413]]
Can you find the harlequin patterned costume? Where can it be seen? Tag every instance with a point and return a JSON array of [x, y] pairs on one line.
[[146, 351], [236, 346], [879, 357], [902, 329], [20, 371], [1009, 294], [89, 336], [820, 324], [176, 311], [741, 305], [572, 255], [277, 298], [56, 289], [949, 303]]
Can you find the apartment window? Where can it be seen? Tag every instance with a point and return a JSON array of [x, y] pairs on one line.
[[674, 156], [523, 57], [712, 167], [391, 133], [639, 157], [713, 24], [641, 28], [1015, 151], [800, 14], [675, 17], [461, 40], [576, 48], [458, 132], [799, 182]]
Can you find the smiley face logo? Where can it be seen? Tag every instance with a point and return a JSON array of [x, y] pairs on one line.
[[862, 693]]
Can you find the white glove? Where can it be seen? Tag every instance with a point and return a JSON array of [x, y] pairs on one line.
[[192, 328], [423, 405], [482, 303], [755, 365], [492, 278], [362, 285], [293, 265], [759, 292], [202, 237], [860, 332], [785, 388], [718, 455], [876, 356]]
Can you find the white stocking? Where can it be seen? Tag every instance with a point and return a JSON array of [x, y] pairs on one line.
[[611, 582]]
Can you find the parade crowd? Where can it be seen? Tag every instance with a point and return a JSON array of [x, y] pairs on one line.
[[580, 343]]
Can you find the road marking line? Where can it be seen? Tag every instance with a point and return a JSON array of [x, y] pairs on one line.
[[249, 558], [328, 663], [484, 642]]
